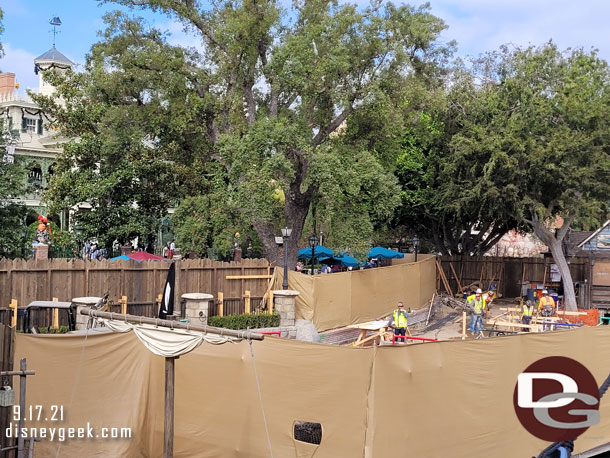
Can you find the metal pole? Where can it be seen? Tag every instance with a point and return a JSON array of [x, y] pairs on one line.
[[312, 254], [415, 254], [285, 282], [172, 324], [21, 439], [168, 432]]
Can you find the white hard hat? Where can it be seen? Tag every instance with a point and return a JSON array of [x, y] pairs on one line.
[[544, 291], [478, 291]]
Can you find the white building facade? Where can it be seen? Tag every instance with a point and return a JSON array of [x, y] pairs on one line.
[[36, 145]]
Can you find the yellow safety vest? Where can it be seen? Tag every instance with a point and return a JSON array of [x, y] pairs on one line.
[[528, 311], [478, 305], [400, 320]]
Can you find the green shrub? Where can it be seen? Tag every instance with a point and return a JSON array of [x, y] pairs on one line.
[[48, 330], [257, 320]]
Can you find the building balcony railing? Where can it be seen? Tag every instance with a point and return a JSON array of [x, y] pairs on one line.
[[15, 97]]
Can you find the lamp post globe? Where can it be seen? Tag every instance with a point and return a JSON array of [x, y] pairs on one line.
[[286, 233], [415, 245]]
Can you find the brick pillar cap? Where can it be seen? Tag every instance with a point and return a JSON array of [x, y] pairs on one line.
[[91, 300], [197, 296], [285, 292]]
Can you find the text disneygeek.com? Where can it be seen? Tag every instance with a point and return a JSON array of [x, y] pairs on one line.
[[62, 433]]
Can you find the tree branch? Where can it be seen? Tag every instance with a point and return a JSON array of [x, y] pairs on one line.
[[325, 131]]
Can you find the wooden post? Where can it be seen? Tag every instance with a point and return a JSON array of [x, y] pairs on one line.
[[270, 301], [168, 432], [55, 315], [430, 310], [86, 277], [220, 303], [247, 302], [124, 305], [463, 325], [13, 305], [159, 299], [457, 280]]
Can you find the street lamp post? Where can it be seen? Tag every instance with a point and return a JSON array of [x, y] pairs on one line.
[[415, 245], [285, 235], [78, 230], [313, 241]]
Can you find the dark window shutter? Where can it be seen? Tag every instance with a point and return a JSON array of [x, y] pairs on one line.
[[24, 126], [40, 127]]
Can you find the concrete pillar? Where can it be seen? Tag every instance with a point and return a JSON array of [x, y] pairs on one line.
[[197, 306], [284, 303], [41, 251], [79, 303]]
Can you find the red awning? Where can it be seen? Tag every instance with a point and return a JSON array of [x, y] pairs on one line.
[[144, 256]]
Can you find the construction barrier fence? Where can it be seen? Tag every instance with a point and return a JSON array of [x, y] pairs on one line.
[[343, 298]]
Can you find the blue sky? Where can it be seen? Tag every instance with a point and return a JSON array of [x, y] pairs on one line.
[[477, 25]]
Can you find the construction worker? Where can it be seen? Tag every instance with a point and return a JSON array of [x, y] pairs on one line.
[[527, 311], [398, 321], [489, 296], [546, 306], [478, 305]]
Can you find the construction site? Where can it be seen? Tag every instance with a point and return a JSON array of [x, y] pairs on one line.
[[331, 380]]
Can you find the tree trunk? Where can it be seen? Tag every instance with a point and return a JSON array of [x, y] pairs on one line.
[[569, 296], [554, 242], [296, 213]]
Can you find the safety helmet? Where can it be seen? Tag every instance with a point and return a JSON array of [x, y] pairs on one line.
[[544, 291], [478, 291]]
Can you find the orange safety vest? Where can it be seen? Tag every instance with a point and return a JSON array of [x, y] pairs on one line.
[[547, 301]]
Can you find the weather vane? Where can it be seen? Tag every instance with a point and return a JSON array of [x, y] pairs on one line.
[[55, 22]]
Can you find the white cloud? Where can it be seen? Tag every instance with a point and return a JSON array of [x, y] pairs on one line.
[[21, 63], [483, 25]]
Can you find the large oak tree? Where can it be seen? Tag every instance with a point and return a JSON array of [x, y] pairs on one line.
[[260, 93]]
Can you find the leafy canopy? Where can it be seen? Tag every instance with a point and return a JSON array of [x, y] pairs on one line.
[[259, 94]]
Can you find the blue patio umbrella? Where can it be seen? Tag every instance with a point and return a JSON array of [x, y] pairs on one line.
[[319, 251], [342, 259], [123, 257], [384, 253]]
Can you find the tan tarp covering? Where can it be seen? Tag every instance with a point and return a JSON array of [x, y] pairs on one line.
[[166, 341], [446, 399], [340, 299]]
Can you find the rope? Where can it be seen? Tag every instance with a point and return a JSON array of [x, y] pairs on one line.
[[568, 446], [78, 374], [260, 399]]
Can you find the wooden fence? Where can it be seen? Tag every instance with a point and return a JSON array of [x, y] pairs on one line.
[[65, 279], [507, 273]]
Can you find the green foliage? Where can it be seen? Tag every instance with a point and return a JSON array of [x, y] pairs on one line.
[[206, 222], [13, 233], [50, 330], [254, 321], [541, 140], [58, 238]]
